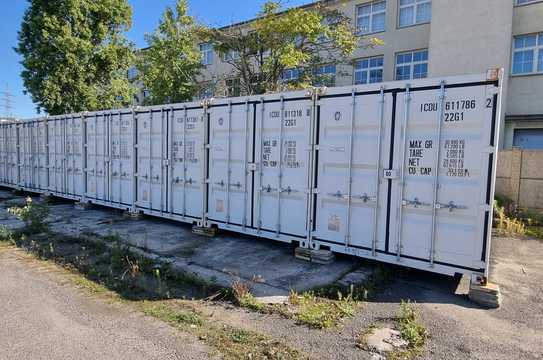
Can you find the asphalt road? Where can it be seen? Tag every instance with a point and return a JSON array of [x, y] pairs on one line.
[[44, 316]]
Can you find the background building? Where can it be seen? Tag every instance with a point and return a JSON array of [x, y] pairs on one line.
[[432, 38]]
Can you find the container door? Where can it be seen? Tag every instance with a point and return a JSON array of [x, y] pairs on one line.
[[23, 157], [97, 157], [35, 151], [3, 154], [12, 154], [74, 156], [353, 142], [440, 201], [283, 138], [231, 150], [186, 136], [42, 155], [152, 138], [121, 150], [56, 155]]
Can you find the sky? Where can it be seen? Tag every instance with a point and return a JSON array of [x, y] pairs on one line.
[[146, 14]]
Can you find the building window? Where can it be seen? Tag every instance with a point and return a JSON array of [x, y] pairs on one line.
[[289, 75], [370, 18], [522, 2], [234, 87], [146, 94], [528, 139], [368, 70], [528, 54], [132, 73], [412, 65], [325, 75], [206, 93], [231, 55], [414, 12], [207, 54]]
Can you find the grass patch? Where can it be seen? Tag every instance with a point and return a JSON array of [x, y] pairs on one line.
[[411, 330], [318, 312], [244, 298], [307, 308], [535, 232], [175, 317]]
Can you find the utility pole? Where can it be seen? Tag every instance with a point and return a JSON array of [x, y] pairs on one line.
[[7, 102]]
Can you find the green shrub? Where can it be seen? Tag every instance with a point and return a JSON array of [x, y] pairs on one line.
[[32, 214]]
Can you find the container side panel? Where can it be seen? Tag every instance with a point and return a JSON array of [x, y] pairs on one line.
[[187, 162], [438, 214], [283, 138], [120, 158], [74, 156], [230, 183], [338, 161], [42, 155], [98, 185]]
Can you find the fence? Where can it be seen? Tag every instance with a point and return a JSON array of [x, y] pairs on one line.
[[520, 177]]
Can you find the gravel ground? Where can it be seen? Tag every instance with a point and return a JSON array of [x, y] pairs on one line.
[[42, 316], [458, 328]]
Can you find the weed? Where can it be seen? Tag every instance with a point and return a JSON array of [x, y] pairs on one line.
[[410, 327], [32, 214], [176, 317], [319, 312], [6, 235], [506, 225], [244, 297]]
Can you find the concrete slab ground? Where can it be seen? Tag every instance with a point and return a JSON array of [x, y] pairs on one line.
[[270, 266]]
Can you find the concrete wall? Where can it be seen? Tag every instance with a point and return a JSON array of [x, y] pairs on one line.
[[520, 177], [469, 37]]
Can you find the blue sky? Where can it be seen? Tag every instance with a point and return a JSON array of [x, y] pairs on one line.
[[146, 14]]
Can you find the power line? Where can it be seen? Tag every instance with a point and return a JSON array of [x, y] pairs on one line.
[[7, 102]]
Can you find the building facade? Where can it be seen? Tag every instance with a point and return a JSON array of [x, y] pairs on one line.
[[433, 38]]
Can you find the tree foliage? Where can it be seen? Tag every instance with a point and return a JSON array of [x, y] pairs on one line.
[[298, 38], [169, 65], [74, 55]]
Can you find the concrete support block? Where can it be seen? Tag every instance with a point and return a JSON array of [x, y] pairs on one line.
[[324, 257], [133, 215], [487, 294], [205, 231], [80, 205], [46, 198]]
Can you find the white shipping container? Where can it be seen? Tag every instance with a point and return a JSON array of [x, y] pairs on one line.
[[399, 172]]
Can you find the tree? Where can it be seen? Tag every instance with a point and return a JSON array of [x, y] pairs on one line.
[[169, 65], [75, 57], [299, 39]]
